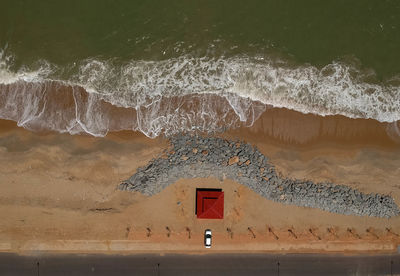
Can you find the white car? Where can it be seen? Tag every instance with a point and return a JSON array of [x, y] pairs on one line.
[[207, 238]]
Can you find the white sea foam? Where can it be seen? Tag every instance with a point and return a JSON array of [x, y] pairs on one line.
[[24, 74], [245, 84], [327, 91]]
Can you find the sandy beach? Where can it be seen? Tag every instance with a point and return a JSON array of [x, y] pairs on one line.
[[56, 187]]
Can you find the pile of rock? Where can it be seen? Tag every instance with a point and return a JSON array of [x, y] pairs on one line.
[[197, 156]]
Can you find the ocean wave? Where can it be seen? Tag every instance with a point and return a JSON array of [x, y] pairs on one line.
[[185, 94]]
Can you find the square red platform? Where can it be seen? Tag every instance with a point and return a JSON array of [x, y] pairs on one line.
[[210, 203]]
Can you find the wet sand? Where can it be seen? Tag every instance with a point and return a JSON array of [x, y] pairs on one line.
[[57, 186]]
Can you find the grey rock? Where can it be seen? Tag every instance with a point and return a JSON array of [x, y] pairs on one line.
[[160, 173]]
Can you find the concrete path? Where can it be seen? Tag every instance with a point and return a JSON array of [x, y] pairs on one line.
[[195, 246]]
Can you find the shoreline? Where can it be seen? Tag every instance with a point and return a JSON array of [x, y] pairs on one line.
[[280, 126], [71, 109], [297, 130]]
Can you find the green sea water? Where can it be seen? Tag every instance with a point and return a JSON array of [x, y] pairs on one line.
[[315, 32], [304, 55]]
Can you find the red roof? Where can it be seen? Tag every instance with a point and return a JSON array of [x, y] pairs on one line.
[[210, 204]]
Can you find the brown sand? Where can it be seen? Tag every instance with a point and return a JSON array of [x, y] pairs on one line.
[[62, 187]]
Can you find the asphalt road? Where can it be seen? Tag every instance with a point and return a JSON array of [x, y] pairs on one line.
[[210, 264]]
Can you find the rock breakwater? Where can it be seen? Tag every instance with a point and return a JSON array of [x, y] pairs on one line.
[[197, 156]]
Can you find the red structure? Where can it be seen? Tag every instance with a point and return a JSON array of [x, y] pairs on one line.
[[209, 203]]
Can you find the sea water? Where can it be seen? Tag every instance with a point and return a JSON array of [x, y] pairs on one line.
[[163, 67]]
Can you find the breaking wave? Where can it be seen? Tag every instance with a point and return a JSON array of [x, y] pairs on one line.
[[185, 94]]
